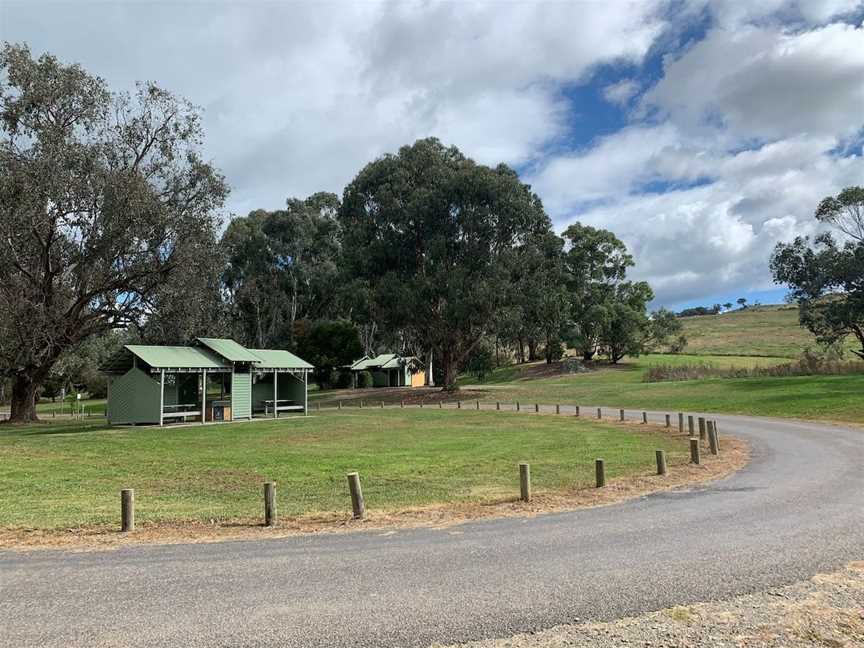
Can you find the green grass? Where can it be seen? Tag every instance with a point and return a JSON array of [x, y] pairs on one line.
[[758, 331], [58, 475], [809, 397]]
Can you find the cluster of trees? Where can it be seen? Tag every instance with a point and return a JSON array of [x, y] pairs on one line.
[[826, 275], [109, 232]]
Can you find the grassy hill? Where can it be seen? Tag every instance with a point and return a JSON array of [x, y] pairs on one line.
[[755, 331]]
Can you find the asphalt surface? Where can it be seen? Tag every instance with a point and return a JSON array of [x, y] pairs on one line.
[[795, 510]]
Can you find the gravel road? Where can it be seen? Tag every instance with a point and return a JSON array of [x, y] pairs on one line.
[[795, 510]]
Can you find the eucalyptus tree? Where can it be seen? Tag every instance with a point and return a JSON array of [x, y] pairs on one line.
[[827, 275], [438, 238], [97, 191]]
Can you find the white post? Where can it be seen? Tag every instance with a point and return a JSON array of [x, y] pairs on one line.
[[275, 393], [203, 396], [430, 381], [306, 394], [161, 394]]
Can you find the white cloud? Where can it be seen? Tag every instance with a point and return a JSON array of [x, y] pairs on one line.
[[622, 92]]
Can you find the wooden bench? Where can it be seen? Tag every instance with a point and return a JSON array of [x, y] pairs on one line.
[[181, 413], [282, 406]]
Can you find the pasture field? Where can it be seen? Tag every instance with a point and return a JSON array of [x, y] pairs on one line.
[[68, 474]]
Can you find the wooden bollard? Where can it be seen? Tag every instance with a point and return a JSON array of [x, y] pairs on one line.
[[340, 405], [525, 482], [690, 427], [536, 408], [269, 504], [599, 412], [361, 404], [577, 410], [621, 414], [717, 435], [402, 404], [421, 404], [440, 405], [644, 417], [680, 423], [702, 432], [498, 406], [660, 455], [458, 404], [127, 510], [358, 507], [478, 405], [668, 421], [600, 473], [382, 404], [694, 451], [517, 406], [557, 409], [712, 438]]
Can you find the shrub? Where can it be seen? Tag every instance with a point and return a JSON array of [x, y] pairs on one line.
[[364, 380]]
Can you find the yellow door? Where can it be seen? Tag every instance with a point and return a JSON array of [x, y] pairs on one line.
[[418, 379]]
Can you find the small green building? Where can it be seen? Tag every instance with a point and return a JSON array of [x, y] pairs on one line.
[[213, 380], [391, 370]]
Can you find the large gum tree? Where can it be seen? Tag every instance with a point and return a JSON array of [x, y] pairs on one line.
[[439, 240], [100, 193]]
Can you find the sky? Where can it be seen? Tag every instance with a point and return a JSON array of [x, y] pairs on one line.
[[701, 133]]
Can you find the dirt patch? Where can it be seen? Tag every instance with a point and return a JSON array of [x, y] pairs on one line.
[[827, 610], [734, 455]]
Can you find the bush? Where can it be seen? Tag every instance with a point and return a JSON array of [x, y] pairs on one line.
[[364, 379], [339, 379], [573, 365]]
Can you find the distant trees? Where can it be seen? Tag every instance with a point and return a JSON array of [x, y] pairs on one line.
[[439, 239], [330, 346], [103, 198], [742, 302], [282, 268], [826, 276], [727, 306]]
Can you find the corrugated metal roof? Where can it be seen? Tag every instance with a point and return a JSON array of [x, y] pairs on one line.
[[382, 361], [177, 356], [278, 359], [229, 349]]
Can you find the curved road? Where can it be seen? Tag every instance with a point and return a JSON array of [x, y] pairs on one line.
[[796, 509]]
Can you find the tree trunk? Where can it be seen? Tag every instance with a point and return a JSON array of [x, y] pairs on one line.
[[587, 355], [449, 365], [532, 349], [24, 390]]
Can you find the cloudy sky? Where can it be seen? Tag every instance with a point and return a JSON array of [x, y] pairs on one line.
[[700, 132]]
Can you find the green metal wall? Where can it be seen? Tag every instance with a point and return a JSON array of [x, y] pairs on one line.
[[241, 396], [133, 398]]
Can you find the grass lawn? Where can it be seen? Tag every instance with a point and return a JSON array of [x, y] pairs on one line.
[[836, 398], [68, 474]]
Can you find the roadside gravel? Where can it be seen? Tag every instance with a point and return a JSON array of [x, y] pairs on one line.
[[827, 610]]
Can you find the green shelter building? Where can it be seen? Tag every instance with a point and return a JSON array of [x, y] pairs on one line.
[[214, 379], [391, 370]]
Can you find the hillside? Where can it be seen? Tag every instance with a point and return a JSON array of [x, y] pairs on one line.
[[755, 331]]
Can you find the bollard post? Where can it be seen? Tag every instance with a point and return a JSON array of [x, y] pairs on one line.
[[478, 405], [599, 413], [712, 438], [690, 427], [702, 428], [599, 473], [668, 421], [717, 435], [517, 406], [680, 423], [358, 507], [644, 417], [536, 408], [621, 414], [498, 406], [127, 510], [458, 404], [577, 410], [421, 404], [661, 461], [382, 404], [694, 451], [269, 504], [402, 404], [340, 405], [440, 405], [361, 404], [525, 482], [558, 409]]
